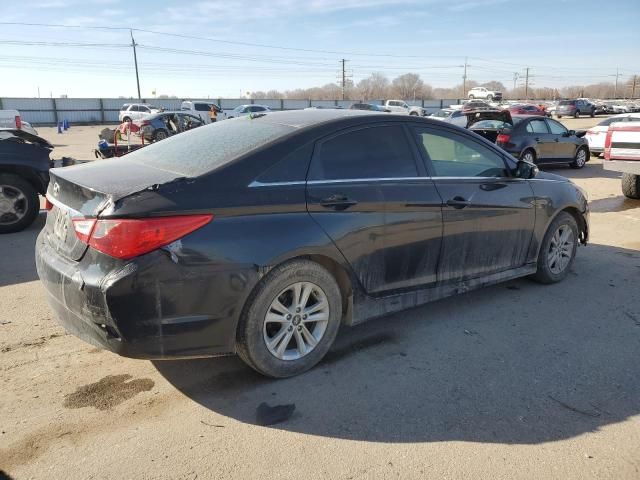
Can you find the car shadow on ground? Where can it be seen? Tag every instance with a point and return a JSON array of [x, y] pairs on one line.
[[18, 263], [518, 363], [618, 203], [592, 169]]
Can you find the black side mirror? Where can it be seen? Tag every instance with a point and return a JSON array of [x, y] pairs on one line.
[[526, 170]]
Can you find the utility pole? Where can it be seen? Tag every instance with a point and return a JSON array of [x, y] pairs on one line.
[[634, 83], [135, 61], [344, 77], [464, 79], [615, 88], [515, 79], [526, 84]]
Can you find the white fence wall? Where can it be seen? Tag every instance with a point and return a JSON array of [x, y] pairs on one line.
[[42, 111]]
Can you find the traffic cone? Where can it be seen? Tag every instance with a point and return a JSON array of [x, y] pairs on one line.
[[59, 127]]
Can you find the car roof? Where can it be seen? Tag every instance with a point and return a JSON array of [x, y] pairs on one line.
[[307, 118]]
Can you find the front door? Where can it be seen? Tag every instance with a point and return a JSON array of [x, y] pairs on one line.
[[368, 192], [488, 215], [565, 144]]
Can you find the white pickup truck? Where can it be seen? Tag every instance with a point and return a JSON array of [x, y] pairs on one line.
[[622, 154], [400, 106]]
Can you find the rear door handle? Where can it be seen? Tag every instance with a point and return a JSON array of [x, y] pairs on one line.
[[337, 202], [458, 202]]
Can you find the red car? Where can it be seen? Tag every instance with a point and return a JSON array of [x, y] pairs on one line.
[[524, 109]]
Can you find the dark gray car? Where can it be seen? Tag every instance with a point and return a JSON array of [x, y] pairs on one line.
[[575, 108]]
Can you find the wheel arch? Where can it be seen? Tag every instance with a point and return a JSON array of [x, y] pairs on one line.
[[28, 174]]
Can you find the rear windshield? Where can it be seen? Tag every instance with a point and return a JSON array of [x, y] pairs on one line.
[[204, 149], [567, 102], [202, 107]]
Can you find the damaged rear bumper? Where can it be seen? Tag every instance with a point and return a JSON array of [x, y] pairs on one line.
[[152, 307]]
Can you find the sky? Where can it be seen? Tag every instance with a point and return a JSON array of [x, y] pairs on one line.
[[225, 48]]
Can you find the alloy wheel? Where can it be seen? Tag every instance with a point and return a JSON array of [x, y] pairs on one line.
[[296, 320], [581, 158], [560, 249], [13, 205], [528, 157]]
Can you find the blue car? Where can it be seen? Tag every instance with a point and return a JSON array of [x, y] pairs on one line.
[[165, 124]]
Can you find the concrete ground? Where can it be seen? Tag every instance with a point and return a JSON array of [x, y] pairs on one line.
[[518, 380]]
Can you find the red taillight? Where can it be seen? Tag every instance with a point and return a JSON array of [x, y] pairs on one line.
[[128, 238], [607, 145], [503, 138], [18, 122], [47, 204]]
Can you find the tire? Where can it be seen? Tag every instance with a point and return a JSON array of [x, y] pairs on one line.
[[12, 187], [549, 271], [631, 185], [528, 155], [126, 120], [579, 161], [415, 114], [593, 113], [160, 135], [559, 116], [489, 98], [254, 331], [577, 114], [471, 97]]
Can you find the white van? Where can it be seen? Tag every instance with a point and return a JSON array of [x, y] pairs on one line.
[[202, 109], [12, 119]]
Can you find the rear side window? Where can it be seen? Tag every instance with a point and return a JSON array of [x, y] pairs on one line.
[[375, 152], [202, 107], [537, 126], [207, 148]]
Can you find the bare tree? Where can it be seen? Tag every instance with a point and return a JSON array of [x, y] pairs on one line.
[[407, 86], [375, 86]]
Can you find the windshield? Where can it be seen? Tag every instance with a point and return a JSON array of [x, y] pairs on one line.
[[239, 108], [205, 149]]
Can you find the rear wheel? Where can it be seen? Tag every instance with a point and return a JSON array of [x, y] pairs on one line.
[[580, 159], [19, 203], [290, 320], [528, 155], [160, 135], [558, 249], [559, 116], [593, 113], [415, 114], [489, 97], [631, 185], [471, 97], [126, 120]]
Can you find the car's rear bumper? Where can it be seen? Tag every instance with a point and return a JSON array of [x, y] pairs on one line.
[[152, 308]]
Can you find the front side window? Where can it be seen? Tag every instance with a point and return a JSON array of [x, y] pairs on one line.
[[202, 107], [454, 155], [556, 127], [375, 152]]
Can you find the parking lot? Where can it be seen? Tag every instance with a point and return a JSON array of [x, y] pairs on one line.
[[515, 380]]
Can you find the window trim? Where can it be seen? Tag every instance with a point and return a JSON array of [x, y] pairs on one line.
[[317, 150], [449, 131]]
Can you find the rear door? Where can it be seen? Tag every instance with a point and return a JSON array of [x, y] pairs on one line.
[[564, 144], [368, 192], [538, 131], [488, 215]]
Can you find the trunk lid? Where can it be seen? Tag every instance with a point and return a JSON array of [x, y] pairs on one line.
[[476, 115], [85, 190]]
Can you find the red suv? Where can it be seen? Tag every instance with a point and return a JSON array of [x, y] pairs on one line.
[[525, 109]]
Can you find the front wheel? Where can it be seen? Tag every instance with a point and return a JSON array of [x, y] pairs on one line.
[[19, 203], [471, 97], [290, 320], [559, 116], [558, 249], [580, 159], [577, 114], [593, 113], [489, 97], [126, 120], [631, 185], [415, 114]]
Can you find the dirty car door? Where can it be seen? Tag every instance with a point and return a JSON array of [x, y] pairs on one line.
[[488, 215], [364, 190]]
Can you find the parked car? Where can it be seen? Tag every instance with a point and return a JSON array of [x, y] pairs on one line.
[[575, 108], [131, 112], [203, 110], [596, 135], [534, 139], [24, 174], [475, 104], [163, 125], [622, 154], [527, 109], [304, 221], [370, 107], [482, 92], [454, 116], [12, 119], [244, 110], [399, 106]]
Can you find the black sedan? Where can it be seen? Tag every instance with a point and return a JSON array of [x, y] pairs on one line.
[[535, 139], [163, 125], [260, 236]]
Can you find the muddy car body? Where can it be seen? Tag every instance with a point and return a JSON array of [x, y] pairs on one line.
[[294, 218]]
